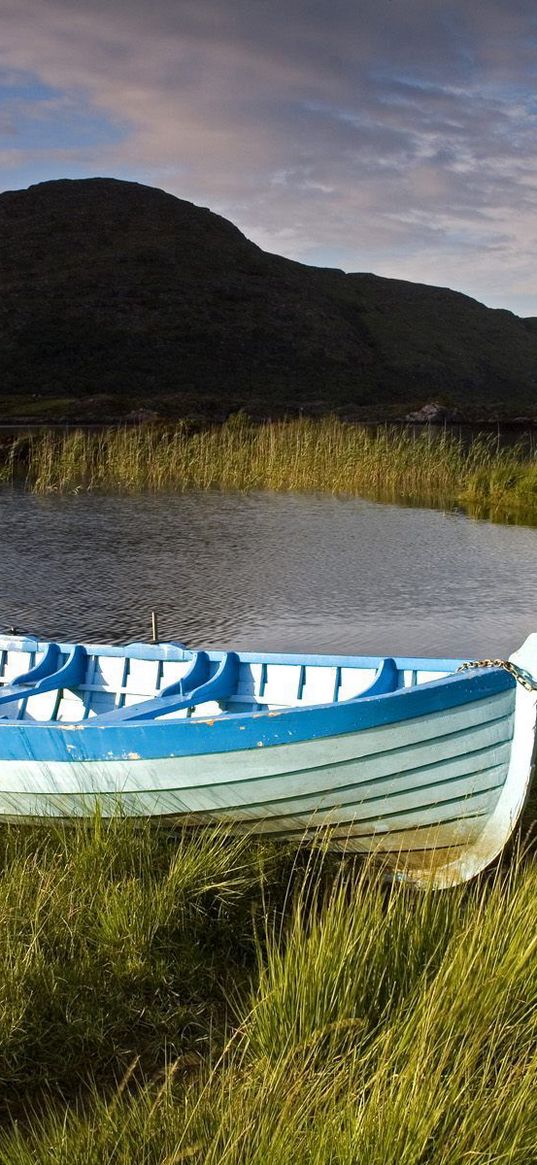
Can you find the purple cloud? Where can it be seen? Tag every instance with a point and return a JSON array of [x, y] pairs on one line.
[[390, 136]]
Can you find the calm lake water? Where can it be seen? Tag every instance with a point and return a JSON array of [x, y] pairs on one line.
[[278, 572]]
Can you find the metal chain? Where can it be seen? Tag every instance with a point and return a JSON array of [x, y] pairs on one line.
[[519, 673]]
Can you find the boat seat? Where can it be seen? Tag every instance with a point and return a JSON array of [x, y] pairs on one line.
[[198, 673], [386, 680], [46, 666], [172, 699], [46, 676]]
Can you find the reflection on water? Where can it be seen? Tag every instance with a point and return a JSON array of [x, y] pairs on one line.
[[269, 571]]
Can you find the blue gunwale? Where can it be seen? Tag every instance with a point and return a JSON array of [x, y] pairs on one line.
[[177, 651], [238, 732]]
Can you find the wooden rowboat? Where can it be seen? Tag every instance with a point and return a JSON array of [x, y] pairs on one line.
[[422, 764]]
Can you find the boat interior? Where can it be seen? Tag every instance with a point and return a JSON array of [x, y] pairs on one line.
[[49, 681]]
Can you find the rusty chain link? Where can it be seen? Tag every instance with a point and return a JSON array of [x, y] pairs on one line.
[[519, 673]]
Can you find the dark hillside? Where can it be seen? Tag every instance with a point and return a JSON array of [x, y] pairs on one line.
[[113, 289]]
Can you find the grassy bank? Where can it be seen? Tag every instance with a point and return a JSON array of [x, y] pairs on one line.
[[304, 455], [199, 999]]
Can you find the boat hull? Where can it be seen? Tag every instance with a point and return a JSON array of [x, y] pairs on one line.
[[429, 780], [417, 793]]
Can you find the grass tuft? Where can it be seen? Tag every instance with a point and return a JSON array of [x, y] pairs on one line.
[[195, 998]]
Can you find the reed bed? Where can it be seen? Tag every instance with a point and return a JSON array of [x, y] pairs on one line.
[[301, 455], [191, 997]]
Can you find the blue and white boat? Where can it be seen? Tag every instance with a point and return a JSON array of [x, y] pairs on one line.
[[412, 760]]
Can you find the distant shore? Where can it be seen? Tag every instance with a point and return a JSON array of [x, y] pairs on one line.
[[21, 411]]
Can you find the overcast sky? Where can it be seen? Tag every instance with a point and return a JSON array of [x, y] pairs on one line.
[[395, 136]]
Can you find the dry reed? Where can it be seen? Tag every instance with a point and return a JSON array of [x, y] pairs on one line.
[[303, 455]]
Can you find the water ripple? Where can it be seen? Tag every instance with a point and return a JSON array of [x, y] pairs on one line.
[[268, 571]]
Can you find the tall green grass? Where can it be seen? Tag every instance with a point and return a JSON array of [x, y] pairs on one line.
[[195, 998], [304, 455], [117, 940]]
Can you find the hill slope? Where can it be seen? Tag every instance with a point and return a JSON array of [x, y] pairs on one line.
[[110, 287]]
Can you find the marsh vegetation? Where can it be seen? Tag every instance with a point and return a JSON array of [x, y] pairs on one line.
[[302, 455]]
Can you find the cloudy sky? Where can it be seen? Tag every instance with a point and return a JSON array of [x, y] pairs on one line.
[[395, 136]]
